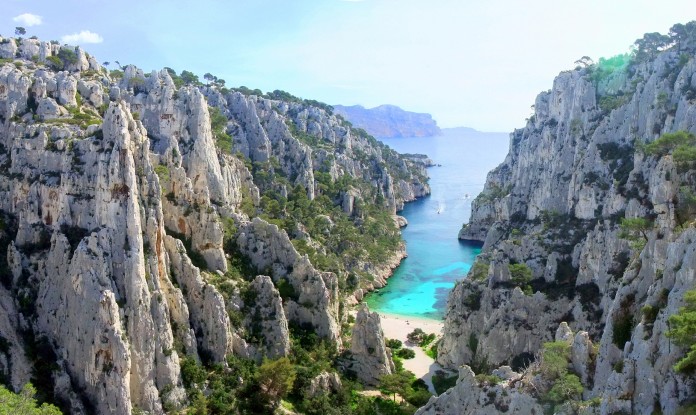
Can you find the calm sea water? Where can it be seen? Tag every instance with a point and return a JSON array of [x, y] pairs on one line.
[[436, 258]]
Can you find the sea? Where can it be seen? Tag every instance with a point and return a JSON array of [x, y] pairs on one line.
[[436, 257]]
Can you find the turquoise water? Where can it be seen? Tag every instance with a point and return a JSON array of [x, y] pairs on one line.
[[436, 258]]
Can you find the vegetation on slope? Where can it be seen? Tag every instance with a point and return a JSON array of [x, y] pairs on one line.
[[24, 402], [334, 240]]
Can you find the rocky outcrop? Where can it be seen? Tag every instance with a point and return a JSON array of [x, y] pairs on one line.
[[15, 368], [267, 318], [554, 208], [389, 121], [527, 392], [469, 396], [314, 298], [304, 139], [128, 229], [371, 359], [323, 383]]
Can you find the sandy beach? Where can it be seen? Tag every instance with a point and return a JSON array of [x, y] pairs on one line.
[[398, 327]]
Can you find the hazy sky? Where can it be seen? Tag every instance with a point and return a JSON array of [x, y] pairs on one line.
[[469, 63]]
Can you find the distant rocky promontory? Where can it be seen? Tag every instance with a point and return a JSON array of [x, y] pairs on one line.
[[389, 121]]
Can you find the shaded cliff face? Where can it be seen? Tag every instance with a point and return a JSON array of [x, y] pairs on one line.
[[550, 215], [389, 121], [129, 226]]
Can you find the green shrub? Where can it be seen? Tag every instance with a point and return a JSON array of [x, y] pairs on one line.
[[671, 142], [688, 409], [683, 332], [443, 381], [520, 274], [192, 373], [24, 402], [567, 387], [420, 338], [649, 313], [479, 271], [609, 103], [427, 339], [68, 56], [55, 62], [286, 290], [432, 352], [493, 192], [485, 379], [554, 359], [636, 231], [162, 172], [405, 353], [394, 344], [276, 378], [218, 124]]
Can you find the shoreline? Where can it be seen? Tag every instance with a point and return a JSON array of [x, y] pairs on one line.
[[398, 327]]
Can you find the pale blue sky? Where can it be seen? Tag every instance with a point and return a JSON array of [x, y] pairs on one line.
[[469, 63]]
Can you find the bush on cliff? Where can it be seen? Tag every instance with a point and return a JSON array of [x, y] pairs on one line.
[[24, 402], [683, 331]]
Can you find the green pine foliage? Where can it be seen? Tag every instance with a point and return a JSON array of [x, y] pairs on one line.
[[24, 402], [520, 274], [636, 231], [479, 271], [345, 241], [681, 144], [218, 123], [565, 386], [554, 359], [683, 332], [404, 384], [443, 381]]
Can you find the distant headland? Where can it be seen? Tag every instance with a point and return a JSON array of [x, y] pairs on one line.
[[389, 121]]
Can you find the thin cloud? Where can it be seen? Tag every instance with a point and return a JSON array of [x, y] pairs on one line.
[[84, 36], [28, 19]]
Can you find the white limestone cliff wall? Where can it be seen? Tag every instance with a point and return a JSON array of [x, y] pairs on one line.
[[116, 206], [370, 357], [554, 204]]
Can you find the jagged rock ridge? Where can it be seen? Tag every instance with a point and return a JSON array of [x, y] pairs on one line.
[[124, 221], [554, 207]]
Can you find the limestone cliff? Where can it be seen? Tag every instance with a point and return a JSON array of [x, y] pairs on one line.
[[134, 221], [371, 358], [550, 216]]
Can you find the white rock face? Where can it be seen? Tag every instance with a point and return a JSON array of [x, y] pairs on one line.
[[370, 355], [269, 314], [555, 205], [316, 299], [324, 382], [119, 213], [468, 396], [14, 365], [581, 355]]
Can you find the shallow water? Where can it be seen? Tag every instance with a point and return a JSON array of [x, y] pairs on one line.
[[436, 258]]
